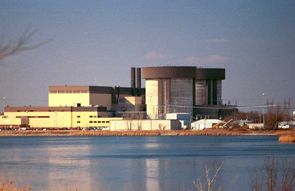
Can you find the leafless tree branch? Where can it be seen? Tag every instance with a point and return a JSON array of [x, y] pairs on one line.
[[209, 184], [23, 43], [277, 175]]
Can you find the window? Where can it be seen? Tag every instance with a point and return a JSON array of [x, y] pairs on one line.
[[78, 121], [32, 117], [90, 121], [78, 116], [90, 116]]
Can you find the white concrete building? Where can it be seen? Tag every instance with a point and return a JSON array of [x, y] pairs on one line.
[[184, 118], [124, 125], [205, 124]]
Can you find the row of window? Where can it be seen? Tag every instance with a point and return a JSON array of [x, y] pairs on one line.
[[99, 122], [39, 111], [95, 122], [91, 116], [32, 117], [62, 91]]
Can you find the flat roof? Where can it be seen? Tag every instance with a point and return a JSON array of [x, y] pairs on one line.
[[183, 72], [168, 72], [48, 109], [93, 89], [210, 73], [75, 88]]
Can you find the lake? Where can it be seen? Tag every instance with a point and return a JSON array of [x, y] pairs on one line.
[[135, 163]]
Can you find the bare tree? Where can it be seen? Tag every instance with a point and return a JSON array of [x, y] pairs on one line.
[[209, 181], [275, 114], [277, 175], [21, 44]]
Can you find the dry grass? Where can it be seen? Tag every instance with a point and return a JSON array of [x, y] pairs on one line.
[[287, 138], [10, 186]]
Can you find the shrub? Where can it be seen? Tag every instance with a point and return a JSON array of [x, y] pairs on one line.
[[10, 186]]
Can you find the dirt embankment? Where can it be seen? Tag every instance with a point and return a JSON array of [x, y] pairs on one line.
[[207, 132]]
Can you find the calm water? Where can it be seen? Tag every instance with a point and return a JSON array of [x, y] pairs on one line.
[[134, 163]]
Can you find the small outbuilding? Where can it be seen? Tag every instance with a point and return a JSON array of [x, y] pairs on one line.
[[255, 125], [184, 118], [205, 124]]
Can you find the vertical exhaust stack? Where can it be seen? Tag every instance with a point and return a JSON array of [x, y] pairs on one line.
[[138, 78], [135, 81], [133, 77]]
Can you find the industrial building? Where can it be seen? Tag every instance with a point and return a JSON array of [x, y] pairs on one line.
[[187, 90], [56, 117], [111, 98], [206, 123], [79, 107], [184, 89]]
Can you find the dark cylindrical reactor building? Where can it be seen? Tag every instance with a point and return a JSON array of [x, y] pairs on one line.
[[178, 89]]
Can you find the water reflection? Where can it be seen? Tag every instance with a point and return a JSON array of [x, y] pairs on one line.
[[131, 163], [45, 166], [65, 170], [152, 175]]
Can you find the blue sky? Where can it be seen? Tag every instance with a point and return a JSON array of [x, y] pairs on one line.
[[96, 43]]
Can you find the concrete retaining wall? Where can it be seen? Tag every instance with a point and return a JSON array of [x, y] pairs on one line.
[[121, 125]]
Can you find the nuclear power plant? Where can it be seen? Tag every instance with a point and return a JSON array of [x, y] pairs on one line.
[[182, 90]]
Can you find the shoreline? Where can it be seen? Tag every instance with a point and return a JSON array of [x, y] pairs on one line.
[[207, 132]]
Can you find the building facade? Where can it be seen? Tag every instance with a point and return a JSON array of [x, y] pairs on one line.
[[144, 125], [56, 117], [74, 96], [112, 98], [183, 89]]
